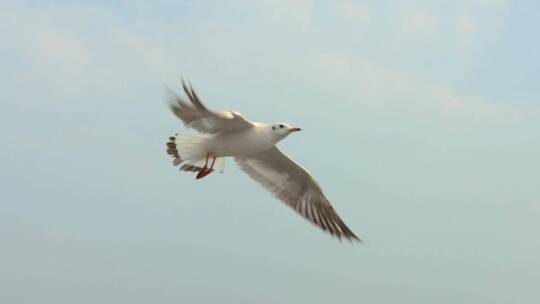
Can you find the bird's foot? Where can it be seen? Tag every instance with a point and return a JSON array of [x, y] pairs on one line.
[[204, 172]]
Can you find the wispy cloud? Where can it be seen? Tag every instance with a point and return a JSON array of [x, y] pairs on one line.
[[44, 41], [466, 24], [419, 22], [61, 46], [359, 14], [296, 13], [379, 88]]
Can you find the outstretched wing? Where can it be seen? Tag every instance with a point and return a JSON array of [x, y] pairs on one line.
[[293, 185], [195, 115]]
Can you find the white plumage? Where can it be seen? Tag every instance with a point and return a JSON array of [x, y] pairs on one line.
[[252, 145]]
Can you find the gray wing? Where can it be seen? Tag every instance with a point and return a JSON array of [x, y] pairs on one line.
[[195, 115], [293, 185]]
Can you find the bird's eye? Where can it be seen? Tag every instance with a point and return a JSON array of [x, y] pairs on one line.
[[281, 126]]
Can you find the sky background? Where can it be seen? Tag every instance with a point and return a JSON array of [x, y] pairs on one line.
[[421, 120]]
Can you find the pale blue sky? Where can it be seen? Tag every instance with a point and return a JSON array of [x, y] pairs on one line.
[[421, 121]]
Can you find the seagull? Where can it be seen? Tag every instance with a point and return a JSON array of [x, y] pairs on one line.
[[253, 147]]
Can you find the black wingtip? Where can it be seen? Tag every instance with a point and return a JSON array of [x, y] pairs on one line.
[[192, 95], [172, 150], [349, 235]]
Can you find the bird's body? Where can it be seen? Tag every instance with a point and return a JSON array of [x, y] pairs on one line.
[[252, 145], [241, 142]]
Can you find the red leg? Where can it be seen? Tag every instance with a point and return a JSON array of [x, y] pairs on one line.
[[202, 173], [205, 171], [206, 161], [212, 165]]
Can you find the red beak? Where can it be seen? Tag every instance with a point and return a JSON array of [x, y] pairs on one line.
[[294, 129]]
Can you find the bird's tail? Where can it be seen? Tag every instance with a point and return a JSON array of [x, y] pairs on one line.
[[191, 153]]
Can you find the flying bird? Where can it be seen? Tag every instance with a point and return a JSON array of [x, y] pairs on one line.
[[253, 147]]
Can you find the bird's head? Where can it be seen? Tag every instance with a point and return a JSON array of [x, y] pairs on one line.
[[282, 130]]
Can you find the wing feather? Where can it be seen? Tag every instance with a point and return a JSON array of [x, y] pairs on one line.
[[194, 113], [293, 185]]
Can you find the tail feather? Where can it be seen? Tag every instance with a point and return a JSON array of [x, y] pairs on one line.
[[190, 152]]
